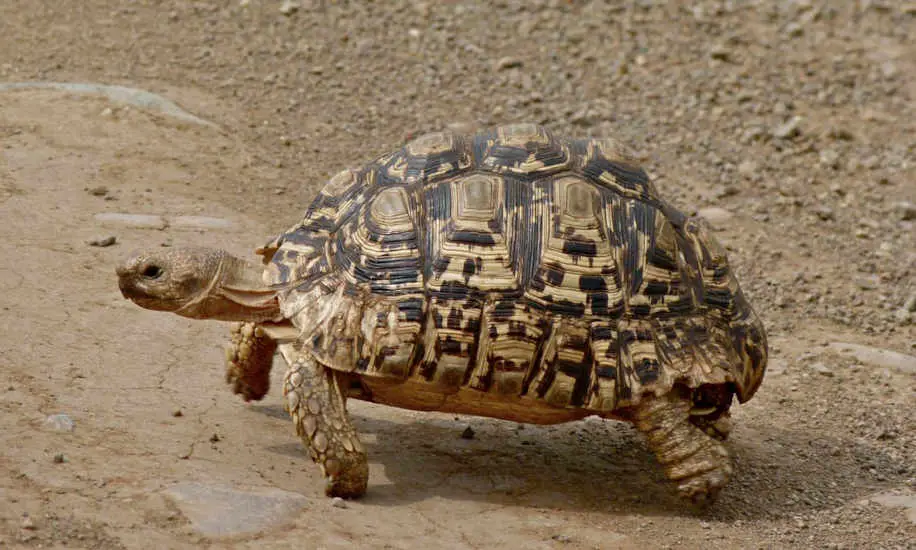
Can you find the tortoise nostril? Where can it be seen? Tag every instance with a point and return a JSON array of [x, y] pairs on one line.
[[152, 272]]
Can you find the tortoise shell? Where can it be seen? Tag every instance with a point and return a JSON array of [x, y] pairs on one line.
[[519, 265]]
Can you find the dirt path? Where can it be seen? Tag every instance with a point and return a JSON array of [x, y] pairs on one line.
[[820, 220]]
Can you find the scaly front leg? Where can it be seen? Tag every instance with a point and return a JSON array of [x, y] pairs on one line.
[[249, 357], [316, 402]]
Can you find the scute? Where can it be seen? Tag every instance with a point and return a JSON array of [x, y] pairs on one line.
[[516, 264]]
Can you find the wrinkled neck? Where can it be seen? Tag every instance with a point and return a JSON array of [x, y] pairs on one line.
[[236, 293]]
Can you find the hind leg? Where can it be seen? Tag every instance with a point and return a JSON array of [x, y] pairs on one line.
[[698, 463], [316, 402], [249, 357]]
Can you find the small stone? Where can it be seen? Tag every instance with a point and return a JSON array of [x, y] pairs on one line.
[[867, 282], [794, 29], [99, 191], [823, 212], [910, 303], [177, 413], [562, 538], [59, 423], [906, 210], [715, 215], [903, 317], [468, 433], [27, 523], [747, 168], [288, 7], [59, 458], [720, 52], [102, 241], [508, 63], [829, 158], [338, 502], [788, 129], [821, 368], [215, 438], [107, 112]]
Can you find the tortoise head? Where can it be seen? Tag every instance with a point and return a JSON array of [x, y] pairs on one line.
[[200, 283]]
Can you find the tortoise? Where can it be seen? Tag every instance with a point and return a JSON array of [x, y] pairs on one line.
[[510, 274]]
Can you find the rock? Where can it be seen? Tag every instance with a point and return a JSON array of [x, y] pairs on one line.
[[99, 191], [102, 241], [288, 7], [822, 369], [829, 158], [747, 168], [788, 129], [508, 63], [910, 303], [906, 210], [876, 356], [139, 221], [59, 423], [199, 222], [867, 282], [903, 317], [27, 523], [823, 212], [468, 433], [715, 215], [217, 510], [891, 500], [720, 52], [562, 538], [59, 458], [338, 502]]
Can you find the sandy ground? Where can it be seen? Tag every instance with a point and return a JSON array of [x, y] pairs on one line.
[[793, 120]]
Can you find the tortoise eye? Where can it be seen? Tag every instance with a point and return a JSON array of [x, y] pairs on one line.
[[152, 272]]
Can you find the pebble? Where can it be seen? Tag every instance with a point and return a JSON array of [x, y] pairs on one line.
[[59, 423], [829, 158], [27, 523], [102, 241], [867, 282], [823, 212], [99, 191], [508, 63], [468, 433], [821, 368], [562, 538], [218, 510], [59, 458], [288, 7], [338, 502], [906, 210], [715, 215], [788, 129], [747, 168], [720, 52], [910, 303]]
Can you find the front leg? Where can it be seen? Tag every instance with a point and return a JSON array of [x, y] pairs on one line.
[[316, 402], [249, 357]]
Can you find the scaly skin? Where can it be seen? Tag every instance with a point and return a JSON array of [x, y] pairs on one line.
[[249, 357], [315, 400], [700, 464]]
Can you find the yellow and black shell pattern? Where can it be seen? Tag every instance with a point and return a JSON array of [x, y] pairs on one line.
[[516, 263]]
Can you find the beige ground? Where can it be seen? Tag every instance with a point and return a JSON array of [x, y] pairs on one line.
[[822, 233]]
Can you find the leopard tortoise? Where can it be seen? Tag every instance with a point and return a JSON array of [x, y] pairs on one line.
[[509, 274]]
